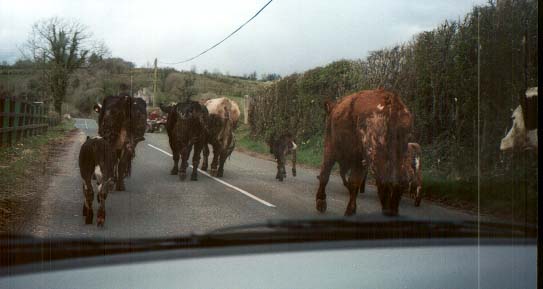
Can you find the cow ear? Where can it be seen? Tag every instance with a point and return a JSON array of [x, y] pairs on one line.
[[97, 107], [329, 105]]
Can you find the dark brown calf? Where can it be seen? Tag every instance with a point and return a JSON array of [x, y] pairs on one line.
[[122, 122], [97, 158], [367, 130], [281, 147]]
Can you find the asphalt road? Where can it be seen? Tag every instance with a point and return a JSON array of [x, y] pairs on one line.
[[156, 203]]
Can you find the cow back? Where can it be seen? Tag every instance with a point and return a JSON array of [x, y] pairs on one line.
[[371, 125]]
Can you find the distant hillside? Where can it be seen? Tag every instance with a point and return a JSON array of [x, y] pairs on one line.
[[91, 84]]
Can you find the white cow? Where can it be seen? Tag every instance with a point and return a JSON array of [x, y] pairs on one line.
[[523, 134]]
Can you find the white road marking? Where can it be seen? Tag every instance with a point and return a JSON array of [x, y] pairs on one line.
[[86, 127], [222, 182]]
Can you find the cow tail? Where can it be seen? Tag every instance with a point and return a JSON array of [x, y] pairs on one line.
[[129, 167]]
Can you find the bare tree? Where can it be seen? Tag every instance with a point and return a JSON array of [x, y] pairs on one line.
[[59, 46]]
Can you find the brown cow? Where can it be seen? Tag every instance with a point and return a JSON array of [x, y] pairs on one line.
[[414, 171], [96, 158], [222, 121], [364, 130]]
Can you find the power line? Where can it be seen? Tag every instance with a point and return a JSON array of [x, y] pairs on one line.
[[217, 44]]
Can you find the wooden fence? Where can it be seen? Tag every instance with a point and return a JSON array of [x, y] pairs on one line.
[[20, 119]]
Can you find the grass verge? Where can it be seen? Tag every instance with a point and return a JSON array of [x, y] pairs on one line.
[[21, 167], [308, 153]]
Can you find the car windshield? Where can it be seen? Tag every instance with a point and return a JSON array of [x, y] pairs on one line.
[[159, 119]]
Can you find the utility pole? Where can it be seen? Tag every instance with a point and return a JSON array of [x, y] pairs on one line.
[[154, 83]]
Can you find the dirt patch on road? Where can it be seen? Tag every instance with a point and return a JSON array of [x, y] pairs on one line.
[[27, 175]]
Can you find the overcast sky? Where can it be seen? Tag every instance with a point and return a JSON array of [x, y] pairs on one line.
[[288, 36]]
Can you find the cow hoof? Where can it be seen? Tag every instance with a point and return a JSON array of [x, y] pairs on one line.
[[350, 212], [220, 174], [182, 176], [84, 210], [120, 187], [193, 177], [204, 168], [173, 172], [293, 172], [213, 172], [100, 218], [88, 217], [321, 206], [417, 201]]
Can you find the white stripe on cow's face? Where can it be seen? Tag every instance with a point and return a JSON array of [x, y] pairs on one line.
[[294, 146], [417, 163]]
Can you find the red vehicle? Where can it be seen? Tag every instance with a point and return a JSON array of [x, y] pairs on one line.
[[156, 122]]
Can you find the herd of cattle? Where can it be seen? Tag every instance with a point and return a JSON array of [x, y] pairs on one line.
[[365, 131]]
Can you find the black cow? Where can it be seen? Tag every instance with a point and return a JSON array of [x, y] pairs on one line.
[[122, 122], [281, 147], [187, 127], [97, 158]]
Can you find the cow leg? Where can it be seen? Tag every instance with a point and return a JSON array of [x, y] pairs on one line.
[[343, 169], [196, 161], [175, 153], [215, 162], [355, 181], [89, 197], [363, 184], [418, 196], [122, 171], [294, 163], [119, 184], [205, 153], [324, 175], [222, 159], [278, 174], [280, 169], [185, 152], [102, 195]]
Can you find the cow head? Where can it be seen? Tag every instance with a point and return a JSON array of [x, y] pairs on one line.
[[523, 133], [122, 112], [192, 116], [385, 138], [166, 108], [112, 113], [190, 110], [329, 105]]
